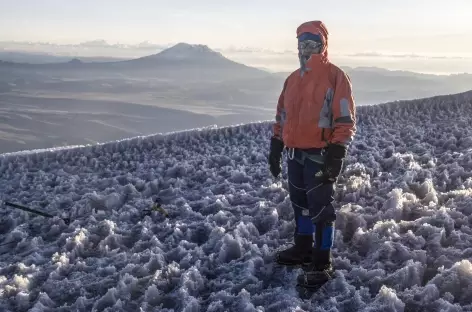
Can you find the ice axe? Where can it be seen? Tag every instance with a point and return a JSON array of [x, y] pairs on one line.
[[66, 220]]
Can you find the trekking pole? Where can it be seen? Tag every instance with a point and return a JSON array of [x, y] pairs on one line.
[[5, 244], [66, 220]]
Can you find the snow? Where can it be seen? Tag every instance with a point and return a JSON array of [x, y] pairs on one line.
[[403, 239], [187, 51]]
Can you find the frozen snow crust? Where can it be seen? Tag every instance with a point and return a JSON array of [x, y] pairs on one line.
[[403, 240]]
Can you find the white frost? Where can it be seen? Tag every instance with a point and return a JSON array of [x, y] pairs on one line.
[[403, 237]]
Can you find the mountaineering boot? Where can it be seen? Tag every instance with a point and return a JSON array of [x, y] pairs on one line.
[[318, 272], [299, 254]]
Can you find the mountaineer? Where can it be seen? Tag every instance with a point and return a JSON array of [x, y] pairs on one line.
[[315, 123]]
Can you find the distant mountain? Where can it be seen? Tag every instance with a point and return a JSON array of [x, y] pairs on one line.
[[31, 57], [184, 52], [182, 61], [197, 61], [47, 58], [373, 85], [186, 73]]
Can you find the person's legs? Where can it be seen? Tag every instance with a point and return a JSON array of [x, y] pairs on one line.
[[322, 215], [300, 253]]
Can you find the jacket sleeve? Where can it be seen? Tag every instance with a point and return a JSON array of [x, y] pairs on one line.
[[344, 111], [280, 114]]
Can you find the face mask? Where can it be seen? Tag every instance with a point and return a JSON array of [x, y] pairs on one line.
[[306, 49]]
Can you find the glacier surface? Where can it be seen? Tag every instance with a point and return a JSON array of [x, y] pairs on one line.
[[403, 240]]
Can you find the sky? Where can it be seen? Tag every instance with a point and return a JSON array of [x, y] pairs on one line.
[[420, 27], [399, 25]]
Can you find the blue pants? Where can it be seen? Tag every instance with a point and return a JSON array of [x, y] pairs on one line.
[[311, 198]]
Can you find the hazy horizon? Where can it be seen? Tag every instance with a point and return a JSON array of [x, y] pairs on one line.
[[396, 35], [270, 60]]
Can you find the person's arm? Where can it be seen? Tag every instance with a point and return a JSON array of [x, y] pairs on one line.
[[280, 115], [344, 118], [344, 112], [276, 141]]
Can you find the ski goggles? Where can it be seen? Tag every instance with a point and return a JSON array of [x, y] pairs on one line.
[[309, 36], [309, 47], [309, 43]]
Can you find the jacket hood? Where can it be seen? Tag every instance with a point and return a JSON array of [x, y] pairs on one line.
[[316, 28]]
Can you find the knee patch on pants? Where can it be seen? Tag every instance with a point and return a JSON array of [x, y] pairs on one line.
[[324, 235], [305, 226]]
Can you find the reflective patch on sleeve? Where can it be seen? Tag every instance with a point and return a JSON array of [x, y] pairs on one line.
[[344, 120], [344, 107], [326, 113], [280, 119]]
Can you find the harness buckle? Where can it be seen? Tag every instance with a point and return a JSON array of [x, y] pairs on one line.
[[291, 153]]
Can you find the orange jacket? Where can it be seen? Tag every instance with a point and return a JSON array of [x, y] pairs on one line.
[[316, 107]]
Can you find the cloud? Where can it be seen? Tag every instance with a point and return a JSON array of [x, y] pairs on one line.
[[99, 43], [87, 48], [233, 49], [406, 56]]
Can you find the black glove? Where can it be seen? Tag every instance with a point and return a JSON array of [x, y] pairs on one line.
[[334, 157], [276, 148]]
